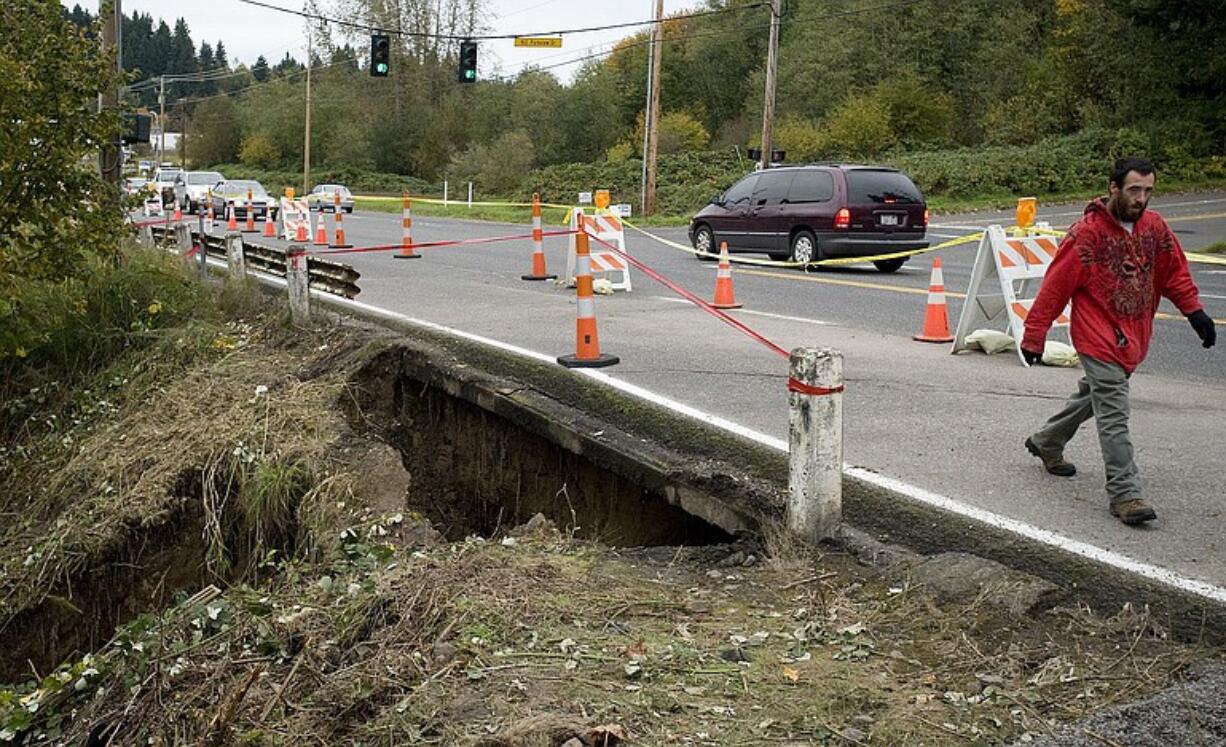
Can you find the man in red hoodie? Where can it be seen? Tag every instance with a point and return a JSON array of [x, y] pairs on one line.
[[1115, 265]]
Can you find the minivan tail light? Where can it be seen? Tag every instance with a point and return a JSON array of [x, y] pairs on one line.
[[842, 219], [925, 218]]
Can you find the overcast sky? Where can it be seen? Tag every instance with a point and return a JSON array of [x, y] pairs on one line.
[[248, 31]]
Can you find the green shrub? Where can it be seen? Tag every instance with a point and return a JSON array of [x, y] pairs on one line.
[[860, 127], [681, 131], [260, 151], [801, 138], [917, 115]]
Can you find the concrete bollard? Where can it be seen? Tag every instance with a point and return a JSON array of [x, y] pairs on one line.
[[815, 443], [235, 260], [183, 239], [299, 289], [145, 236]]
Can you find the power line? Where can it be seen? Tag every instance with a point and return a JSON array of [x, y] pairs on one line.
[[490, 37]]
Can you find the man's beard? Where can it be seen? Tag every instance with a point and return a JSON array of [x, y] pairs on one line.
[[1126, 213]]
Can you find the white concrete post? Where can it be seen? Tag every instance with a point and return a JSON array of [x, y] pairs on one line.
[[444, 193], [297, 279], [183, 238], [146, 236], [235, 260], [470, 195], [815, 443]]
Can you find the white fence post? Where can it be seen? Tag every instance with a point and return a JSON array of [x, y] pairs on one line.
[[444, 193], [470, 195], [234, 256], [297, 280], [183, 238], [815, 443]]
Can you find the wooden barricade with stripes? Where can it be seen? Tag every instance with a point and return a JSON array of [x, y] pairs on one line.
[[1004, 283]]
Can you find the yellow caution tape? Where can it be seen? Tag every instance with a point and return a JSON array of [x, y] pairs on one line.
[[1208, 259]]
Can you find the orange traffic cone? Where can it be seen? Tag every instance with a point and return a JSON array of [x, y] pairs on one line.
[[270, 225], [231, 221], [936, 316], [406, 241], [321, 233], [250, 227], [208, 222], [178, 212], [338, 214], [587, 342], [301, 234], [538, 251], [724, 297]]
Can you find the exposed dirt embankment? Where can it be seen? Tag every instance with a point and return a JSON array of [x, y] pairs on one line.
[[256, 534]]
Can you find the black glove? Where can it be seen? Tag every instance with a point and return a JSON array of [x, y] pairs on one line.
[[1031, 357], [1203, 324]]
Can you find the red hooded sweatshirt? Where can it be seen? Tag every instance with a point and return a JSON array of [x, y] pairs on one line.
[[1115, 281]]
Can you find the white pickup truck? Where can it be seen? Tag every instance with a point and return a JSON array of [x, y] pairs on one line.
[[192, 189]]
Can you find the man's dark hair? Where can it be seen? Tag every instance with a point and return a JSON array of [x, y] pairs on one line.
[[1142, 166]]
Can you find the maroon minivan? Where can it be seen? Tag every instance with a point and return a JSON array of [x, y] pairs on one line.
[[810, 213]]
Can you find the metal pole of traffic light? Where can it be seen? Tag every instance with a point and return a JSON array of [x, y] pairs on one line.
[[306, 138]]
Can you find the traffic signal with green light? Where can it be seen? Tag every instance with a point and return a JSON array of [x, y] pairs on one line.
[[468, 62], [380, 55]]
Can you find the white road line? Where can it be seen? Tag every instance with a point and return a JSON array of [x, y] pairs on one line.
[[1219, 298], [1155, 573], [767, 314]]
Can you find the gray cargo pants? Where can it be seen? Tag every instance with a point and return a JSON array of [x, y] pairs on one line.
[[1102, 394]]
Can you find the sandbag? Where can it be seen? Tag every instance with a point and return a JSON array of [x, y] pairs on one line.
[[989, 341]]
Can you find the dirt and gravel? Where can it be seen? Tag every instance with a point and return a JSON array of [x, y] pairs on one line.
[[207, 544]]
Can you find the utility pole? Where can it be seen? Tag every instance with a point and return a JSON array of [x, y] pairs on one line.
[[110, 158], [306, 145], [653, 114], [161, 119], [646, 127], [772, 68]]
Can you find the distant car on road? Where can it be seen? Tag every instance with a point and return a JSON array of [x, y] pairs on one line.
[[135, 185], [816, 212], [234, 192], [323, 198], [192, 189]]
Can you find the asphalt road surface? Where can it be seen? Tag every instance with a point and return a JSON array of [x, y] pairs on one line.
[[952, 425]]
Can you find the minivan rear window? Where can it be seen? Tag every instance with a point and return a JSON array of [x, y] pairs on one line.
[[811, 186], [882, 187]]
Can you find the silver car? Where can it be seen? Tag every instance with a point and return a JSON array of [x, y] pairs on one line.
[[192, 189], [233, 192], [323, 197]]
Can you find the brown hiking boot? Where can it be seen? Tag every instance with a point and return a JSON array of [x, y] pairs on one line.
[[1052, 462], [1133, 511]]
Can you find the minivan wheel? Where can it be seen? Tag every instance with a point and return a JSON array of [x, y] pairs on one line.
[[804, 247], [704, 241], [889, 265]]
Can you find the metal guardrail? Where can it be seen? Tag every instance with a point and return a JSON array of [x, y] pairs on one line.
[[326, 275]]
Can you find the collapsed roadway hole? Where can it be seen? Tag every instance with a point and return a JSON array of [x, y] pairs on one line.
[[138, 568], [476, 472]]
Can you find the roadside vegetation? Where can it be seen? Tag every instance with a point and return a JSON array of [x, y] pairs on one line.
[[979, 106]]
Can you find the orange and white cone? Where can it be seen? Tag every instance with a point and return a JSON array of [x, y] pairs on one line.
[[321, 233], [270, 225], [724, 297], [338, 214], [406, 221], [231, 221], [587, 342], [936, 315], [178, 212], [300, 235], [250, 225], [208, 221], [538, 250]]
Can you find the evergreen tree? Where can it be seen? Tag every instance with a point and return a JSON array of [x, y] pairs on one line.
[[260, 69], [182, 56], [219, 54]]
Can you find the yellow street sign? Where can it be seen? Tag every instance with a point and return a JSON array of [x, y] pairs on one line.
[[538, 41]]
